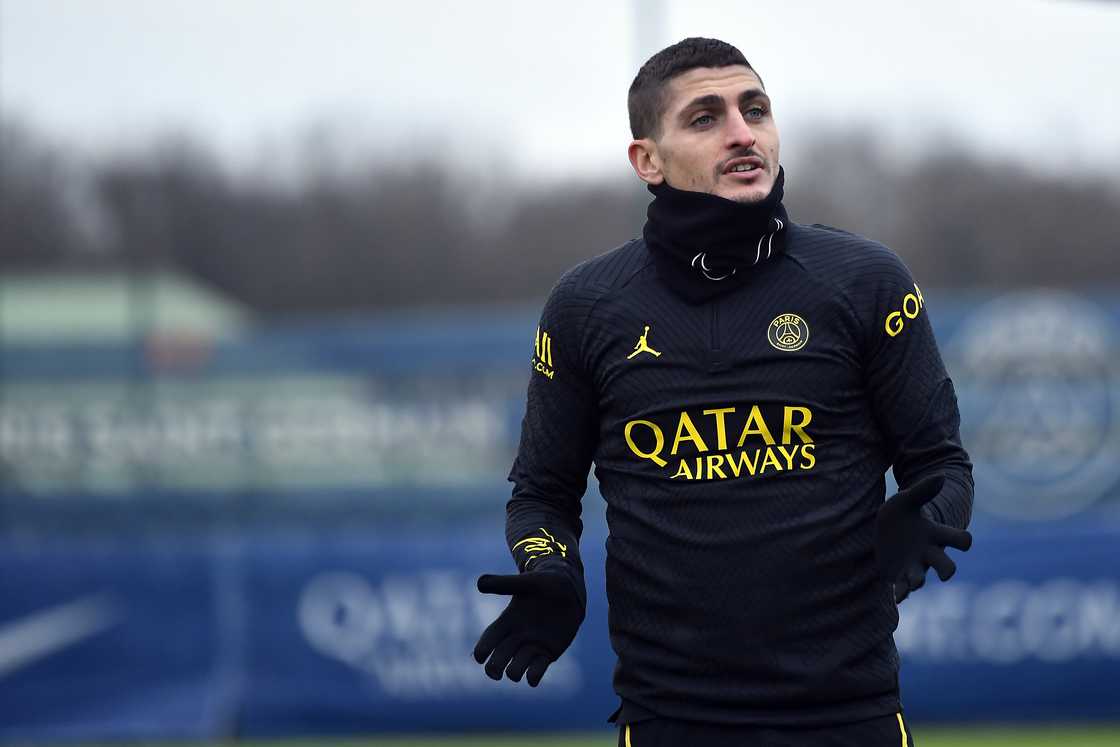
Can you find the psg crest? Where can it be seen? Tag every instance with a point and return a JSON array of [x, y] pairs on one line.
[[1040, 384], [788, 332]]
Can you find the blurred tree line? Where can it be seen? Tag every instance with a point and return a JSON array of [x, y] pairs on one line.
[[423, 233]]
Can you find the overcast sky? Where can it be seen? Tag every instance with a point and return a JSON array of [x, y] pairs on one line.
[[541, 85]]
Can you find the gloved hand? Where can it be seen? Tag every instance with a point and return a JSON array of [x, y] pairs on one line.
[[537, 626], [907, 543]]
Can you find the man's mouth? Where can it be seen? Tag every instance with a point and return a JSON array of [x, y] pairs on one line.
[[750, 165]]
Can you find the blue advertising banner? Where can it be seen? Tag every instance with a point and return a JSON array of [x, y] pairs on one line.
[[379, 634], [367, 632]]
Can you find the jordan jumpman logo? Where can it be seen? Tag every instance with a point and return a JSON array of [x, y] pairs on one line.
[[643, 346]]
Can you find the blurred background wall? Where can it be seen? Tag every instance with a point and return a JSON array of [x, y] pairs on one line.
[[269, 273]]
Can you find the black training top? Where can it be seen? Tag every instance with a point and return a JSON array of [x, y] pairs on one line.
[[741, 446]]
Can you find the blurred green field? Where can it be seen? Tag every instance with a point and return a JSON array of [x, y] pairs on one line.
[[987, 736], [923, 737]]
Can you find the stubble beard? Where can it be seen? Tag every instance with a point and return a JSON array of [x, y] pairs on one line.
[[749, 199], [713, 187], [753, 197]]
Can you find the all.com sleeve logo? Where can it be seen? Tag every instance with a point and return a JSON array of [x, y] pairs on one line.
[[542, 354]]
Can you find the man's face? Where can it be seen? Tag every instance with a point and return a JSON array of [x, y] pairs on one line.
[[717, 122]]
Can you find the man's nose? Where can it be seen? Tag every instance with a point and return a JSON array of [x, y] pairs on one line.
[[739, 134]]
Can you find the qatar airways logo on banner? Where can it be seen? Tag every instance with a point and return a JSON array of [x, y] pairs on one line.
[[412, 633]]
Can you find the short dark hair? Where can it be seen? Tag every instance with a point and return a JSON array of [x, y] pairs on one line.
[[646, 100]]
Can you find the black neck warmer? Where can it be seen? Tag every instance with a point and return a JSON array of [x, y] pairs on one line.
[[704, 246]]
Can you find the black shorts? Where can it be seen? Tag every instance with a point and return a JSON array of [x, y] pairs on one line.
[[884, 731]]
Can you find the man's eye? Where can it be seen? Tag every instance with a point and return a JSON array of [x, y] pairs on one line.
[[756, 112], [701, 118]]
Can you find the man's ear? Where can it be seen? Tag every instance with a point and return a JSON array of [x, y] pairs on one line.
[[646, 160]]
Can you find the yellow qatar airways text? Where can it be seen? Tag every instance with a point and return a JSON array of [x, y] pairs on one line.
[[760, 447]]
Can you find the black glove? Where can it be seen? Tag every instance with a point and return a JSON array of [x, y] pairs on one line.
[[907, 543], [537, 626]]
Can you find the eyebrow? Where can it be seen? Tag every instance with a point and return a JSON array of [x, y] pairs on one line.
[[712, 101]]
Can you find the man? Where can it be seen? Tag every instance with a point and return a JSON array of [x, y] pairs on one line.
[[742, 384]]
